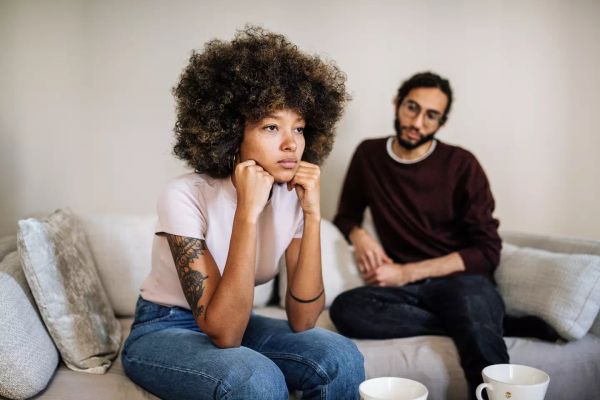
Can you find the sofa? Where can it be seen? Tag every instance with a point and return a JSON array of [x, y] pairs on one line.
[[121, 249]]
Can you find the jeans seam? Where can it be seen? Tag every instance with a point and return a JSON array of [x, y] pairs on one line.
[[224, 385], [294, 357]]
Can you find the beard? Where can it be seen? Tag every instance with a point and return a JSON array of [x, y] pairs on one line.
[[408, 145]]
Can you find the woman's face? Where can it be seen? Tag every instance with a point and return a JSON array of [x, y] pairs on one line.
[[276, 143]]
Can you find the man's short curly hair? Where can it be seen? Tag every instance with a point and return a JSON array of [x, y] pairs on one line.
[[231, 83]]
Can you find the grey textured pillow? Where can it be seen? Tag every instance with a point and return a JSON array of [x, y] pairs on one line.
[[562, 289], [60, 271], [28, 357]]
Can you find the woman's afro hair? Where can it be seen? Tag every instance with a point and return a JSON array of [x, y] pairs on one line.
[[231, 83]]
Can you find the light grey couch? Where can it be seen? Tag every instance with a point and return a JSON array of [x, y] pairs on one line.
[[121, 249]]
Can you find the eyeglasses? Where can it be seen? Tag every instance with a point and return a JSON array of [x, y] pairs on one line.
[[412, 109]]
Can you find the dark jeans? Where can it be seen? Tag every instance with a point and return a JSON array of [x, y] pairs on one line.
[[468, 308]]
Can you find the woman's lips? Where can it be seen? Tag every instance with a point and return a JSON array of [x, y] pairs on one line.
[[288, 163]]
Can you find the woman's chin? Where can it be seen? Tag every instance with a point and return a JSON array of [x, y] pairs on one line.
[[282, 177]]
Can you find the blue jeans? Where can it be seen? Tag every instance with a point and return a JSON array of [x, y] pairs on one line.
[[169, 356], [468, 308]]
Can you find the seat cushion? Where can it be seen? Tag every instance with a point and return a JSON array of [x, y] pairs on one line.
[[70, 385], [574, 367]]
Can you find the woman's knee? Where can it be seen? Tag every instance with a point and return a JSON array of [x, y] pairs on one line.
[[237, 373], [336, 360], [264, 381]]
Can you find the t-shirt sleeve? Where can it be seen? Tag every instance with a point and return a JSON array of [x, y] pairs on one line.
[[180, 211]]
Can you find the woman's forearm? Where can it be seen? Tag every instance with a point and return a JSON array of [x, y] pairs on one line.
[[229, 310], [307, 282]]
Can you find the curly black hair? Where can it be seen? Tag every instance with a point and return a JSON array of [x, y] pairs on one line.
[[258, 72]]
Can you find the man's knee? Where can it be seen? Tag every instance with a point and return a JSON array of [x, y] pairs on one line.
[[467, 298], [343, 308], [464, 286]]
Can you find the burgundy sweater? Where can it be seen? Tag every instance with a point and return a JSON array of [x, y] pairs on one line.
[[424, 210]]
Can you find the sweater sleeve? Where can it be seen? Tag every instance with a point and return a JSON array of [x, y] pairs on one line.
[[353, 202], [481, 254]]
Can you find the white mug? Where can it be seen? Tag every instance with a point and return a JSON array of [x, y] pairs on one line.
[[512, 381], [391, 388]]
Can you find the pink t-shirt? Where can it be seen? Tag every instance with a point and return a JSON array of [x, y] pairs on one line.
[[198, 206]]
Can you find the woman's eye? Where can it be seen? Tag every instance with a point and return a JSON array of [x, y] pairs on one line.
[[300, 130], [271, 128]]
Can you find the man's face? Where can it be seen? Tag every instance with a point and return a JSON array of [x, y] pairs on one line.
[[418, 116]]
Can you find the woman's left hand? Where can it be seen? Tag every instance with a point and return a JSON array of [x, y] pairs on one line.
[[307, 183]]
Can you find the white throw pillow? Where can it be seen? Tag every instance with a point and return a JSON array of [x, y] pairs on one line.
[[28, 357], [563, 289], [337, 262]]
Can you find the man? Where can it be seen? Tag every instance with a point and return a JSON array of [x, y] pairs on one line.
[[432, 209]]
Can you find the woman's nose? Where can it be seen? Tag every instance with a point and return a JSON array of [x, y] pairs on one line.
[[289, 142]]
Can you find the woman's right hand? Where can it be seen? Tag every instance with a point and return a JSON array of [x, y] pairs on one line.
[[253, 186]]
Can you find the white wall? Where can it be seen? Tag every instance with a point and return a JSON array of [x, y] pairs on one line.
[[86, 113]]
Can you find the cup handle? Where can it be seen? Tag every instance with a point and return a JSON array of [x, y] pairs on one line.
[[480, 390]]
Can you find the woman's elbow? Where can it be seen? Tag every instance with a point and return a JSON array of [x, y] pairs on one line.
[[301, 326], [223, 338], [226, 341]]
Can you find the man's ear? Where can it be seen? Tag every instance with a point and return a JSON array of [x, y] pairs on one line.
[[395, 103]]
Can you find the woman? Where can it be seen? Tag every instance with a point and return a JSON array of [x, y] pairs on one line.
[[254, 118]]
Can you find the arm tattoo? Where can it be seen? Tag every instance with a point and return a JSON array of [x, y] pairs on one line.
[[185, 250]]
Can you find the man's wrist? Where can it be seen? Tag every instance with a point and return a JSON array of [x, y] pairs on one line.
[[413, 273], [355, 232]]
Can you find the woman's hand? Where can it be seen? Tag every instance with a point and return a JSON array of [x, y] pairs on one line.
[[253, 185], [307, 183]]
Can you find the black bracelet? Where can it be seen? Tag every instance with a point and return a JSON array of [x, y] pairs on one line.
[[306, 301]]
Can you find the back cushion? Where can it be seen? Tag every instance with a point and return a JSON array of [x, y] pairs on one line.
[[122, 248]]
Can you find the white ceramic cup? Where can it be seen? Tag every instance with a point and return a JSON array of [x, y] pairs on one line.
[[391, 388], [512, 381]]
